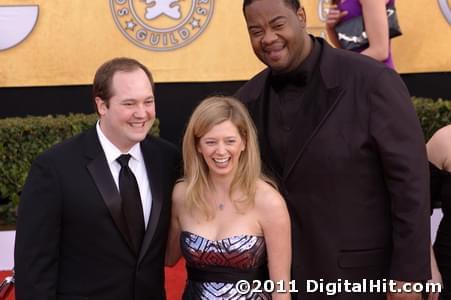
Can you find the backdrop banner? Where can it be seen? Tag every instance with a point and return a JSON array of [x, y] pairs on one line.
[[61, 42]]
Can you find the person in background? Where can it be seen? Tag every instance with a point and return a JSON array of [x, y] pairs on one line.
[[229, 223], [94, 212], [439, 154], [339, 134], [376, 25]]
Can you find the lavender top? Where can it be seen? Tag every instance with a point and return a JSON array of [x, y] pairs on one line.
[[354, 9]]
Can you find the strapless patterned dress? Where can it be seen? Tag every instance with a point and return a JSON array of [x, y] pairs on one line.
[[214, 266]]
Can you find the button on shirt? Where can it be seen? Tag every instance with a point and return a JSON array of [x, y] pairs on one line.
[[136, 164]]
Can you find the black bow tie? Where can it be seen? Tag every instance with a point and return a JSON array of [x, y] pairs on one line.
[[279, 81]]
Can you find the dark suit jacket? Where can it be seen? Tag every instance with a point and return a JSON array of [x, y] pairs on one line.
[[357, 189], [71, 240]]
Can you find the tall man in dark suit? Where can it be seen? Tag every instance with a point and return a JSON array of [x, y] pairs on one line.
[[339, 133], [94, 212]]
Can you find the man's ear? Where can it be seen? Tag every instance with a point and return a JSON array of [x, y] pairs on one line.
[[101, 106], [302, 16]]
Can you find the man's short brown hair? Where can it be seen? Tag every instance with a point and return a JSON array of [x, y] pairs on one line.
[[102, 85]]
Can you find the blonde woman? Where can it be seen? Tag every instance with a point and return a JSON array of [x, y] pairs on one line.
[[227, 221]]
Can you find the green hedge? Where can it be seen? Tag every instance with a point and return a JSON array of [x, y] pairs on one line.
[[22, 139], [433, 114]]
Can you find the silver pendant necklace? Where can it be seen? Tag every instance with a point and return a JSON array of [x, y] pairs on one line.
[[221, 206]]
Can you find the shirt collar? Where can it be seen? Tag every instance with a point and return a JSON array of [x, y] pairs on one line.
[[112, 152]]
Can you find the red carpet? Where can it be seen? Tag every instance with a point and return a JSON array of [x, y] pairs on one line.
[[175, 281], [3, 274]]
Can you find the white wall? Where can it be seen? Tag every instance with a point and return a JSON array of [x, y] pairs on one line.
[[7, 249], [435, 220]]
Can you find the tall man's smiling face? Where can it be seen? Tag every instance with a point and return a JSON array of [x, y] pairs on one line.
[[278, 34]]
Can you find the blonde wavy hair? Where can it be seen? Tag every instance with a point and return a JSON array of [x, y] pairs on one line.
[[210, 112]]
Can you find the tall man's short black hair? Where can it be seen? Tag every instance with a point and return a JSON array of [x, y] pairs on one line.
[[294, 4]]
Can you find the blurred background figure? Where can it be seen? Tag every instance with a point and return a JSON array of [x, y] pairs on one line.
[[376, 25], [439, 155]]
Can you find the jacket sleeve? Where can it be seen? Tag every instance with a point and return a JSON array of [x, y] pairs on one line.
[[38, 234], [395, 128]]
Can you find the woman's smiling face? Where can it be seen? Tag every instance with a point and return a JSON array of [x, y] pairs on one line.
[[221, 148]]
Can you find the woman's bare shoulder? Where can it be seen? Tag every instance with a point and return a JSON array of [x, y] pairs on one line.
[[443, 134], [267, 197], [179, 192], [440, 140], [439, 147]]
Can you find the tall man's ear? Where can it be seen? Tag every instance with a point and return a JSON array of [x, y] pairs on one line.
[[101, 106], [302, 16]]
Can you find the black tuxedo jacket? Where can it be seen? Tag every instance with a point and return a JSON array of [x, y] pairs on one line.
[[71, 239], [357, 188]]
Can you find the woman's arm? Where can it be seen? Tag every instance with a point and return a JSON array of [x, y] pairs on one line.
[[376, 26], [333, 17], [437, 150], [275, 222], [436, 276], [173, 251]]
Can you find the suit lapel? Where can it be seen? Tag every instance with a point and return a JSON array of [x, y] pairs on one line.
[[101, 174], [330, 98], [258, 109], [153, 167], [326, 94]]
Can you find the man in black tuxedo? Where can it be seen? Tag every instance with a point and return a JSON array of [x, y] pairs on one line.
[[338, 131], [94, 212]]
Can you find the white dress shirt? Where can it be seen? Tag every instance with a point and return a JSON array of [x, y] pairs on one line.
[[136, 164]]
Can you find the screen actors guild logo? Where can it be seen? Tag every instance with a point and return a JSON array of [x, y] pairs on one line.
[[161, 25], [16, 23], [446, 9]]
